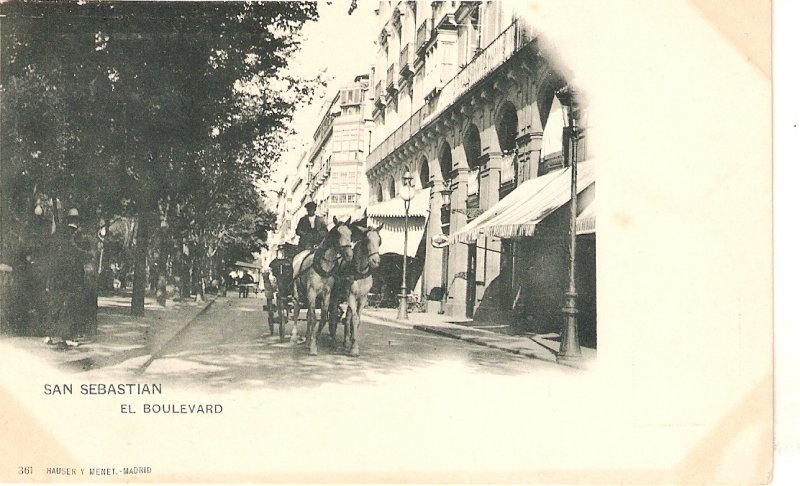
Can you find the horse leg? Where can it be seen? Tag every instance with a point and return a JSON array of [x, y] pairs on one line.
[[355, 321], [270, 317], [281, 317], [324, 311], [333, 318], [348, 321], [295, 313], [311, 319]]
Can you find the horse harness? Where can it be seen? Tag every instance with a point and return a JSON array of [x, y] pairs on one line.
[[367, 271], [316, 264], [319, 257]]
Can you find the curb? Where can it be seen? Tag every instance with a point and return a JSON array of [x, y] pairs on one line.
[[81, 362], [454, 332], [543, 355], [159, 352], [548, 354]]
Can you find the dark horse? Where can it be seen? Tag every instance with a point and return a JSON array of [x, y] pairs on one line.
[[354, 285], [314, 275]]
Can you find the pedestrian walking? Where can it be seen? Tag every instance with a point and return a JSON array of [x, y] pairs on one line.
[[269, 294], [66, 284], [247, 281]]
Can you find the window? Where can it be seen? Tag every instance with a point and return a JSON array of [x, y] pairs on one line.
[[348, 198], [473, 182], [475, 20], [352, 96]]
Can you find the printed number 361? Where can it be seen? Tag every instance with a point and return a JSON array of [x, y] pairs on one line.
[[25, 470]]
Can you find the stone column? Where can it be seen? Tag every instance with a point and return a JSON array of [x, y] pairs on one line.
[[488, 261], [433, 256], [529, 151], [457, 264]]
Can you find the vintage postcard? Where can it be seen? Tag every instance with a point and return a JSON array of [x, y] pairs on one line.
[[427, 242]]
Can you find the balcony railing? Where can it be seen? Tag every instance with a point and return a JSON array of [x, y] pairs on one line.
[[511, 40], [423, 34], [378, 92], [403, 57], [390, 79], [406, 67]]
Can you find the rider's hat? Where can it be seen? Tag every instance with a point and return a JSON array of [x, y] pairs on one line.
[[311, 206]]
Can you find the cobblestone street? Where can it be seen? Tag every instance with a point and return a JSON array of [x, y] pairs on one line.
[[229, 345]]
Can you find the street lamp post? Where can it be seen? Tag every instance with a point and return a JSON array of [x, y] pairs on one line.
[[406, 192], [445, 211], [570, 350]]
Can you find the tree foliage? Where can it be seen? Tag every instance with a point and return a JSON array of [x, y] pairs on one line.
[[168, 112]]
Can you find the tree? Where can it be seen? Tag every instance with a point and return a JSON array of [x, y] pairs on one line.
[[151, 110]]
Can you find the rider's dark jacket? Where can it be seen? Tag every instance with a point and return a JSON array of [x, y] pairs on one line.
[[311, 237]]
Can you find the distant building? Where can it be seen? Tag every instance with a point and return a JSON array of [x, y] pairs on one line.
[[336, 171]]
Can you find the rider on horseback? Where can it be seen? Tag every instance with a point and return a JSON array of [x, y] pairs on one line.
[[311, 228]]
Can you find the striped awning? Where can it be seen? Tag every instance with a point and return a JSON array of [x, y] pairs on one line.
[[395, 207], [518, 213], [393, 234]]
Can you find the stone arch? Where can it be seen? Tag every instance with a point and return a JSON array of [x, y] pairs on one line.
[[391, 187], [506, 125], [472, 146], [545, 94], [445, 156], [379, 193], [424, 172]]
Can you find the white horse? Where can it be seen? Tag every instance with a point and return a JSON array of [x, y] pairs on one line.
[[314, 274], [354, 286]]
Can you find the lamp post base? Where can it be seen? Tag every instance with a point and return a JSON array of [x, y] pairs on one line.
[[402, 310], [570, 350]]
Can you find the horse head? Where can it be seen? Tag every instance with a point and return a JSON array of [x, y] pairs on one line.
[[341, 238], [372, 239]]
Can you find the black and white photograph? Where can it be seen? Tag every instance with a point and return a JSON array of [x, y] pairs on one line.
[[358, 241]]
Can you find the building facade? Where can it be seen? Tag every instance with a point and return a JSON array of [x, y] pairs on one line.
[[463, 96], [335, 165]]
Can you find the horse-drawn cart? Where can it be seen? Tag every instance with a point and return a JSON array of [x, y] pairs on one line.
[[279, 297]]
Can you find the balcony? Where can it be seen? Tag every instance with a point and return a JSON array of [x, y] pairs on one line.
[[406, 68], [423, 35], [494, 55], [447, 22], [390, 81], [379, 94]]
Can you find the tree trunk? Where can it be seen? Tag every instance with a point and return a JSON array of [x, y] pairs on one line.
[[186, 278], [161, 287], [140, 266]]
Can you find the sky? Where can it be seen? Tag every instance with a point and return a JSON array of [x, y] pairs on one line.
[[340, 46]]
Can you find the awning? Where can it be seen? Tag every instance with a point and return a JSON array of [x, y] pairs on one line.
[[395, 207], [391, 214], [392, 235], [518, 213]]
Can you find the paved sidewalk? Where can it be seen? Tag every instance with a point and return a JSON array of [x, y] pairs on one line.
[[541, 346], [120, 336]]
